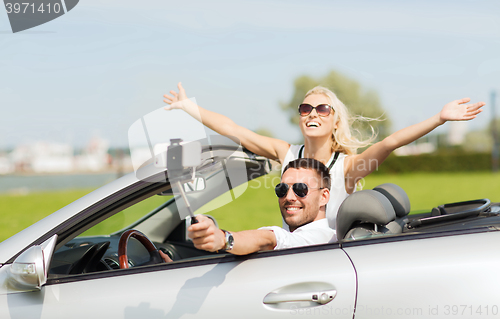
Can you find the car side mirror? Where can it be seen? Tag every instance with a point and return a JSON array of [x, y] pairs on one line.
[[30, 269], [198, 184]]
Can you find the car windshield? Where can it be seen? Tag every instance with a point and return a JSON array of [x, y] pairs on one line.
[[126, 217]]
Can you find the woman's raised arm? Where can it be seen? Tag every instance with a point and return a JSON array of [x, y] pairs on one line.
[[359, 166], [262, 145]]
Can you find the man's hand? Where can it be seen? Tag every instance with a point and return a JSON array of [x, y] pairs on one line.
[[165, 257], [205, 235]]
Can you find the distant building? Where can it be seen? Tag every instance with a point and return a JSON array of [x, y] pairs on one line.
[[50, 157], [415, 149], [42, 157], [94, 157], [6, 166], [456, 132]]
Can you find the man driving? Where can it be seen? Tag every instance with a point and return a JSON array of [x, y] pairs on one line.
[[303, 194]]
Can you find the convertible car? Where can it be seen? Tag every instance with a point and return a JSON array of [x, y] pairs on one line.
[[98, 257]]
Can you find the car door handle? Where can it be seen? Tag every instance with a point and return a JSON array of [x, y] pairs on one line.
[[321, 297]]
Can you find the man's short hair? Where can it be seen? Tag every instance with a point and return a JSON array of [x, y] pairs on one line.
[[310, 163]]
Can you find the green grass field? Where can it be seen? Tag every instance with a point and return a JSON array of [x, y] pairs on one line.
[[257, 206]]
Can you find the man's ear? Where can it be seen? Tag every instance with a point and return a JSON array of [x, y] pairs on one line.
[[325, 197]]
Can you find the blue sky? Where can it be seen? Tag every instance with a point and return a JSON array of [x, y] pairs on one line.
[[101, 66]]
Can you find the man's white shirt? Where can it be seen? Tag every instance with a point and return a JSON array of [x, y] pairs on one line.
[[314, 233]]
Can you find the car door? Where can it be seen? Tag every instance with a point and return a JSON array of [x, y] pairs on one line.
[[443, 275], [228, 285]]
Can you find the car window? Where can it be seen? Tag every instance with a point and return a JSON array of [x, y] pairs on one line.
[[256, 207], [96, 249], [126, 217]]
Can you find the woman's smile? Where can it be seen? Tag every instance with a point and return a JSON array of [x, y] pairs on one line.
[[313, 123]]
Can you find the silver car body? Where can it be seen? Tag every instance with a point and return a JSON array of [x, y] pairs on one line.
[[448, 273]]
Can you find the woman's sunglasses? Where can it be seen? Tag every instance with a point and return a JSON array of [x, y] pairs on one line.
[[300, 189], [322, 109]]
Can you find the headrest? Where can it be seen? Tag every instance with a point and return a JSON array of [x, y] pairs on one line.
[[397, 196], [364, 206]]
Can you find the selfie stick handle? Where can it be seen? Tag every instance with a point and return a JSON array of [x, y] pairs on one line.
[[184, 197]]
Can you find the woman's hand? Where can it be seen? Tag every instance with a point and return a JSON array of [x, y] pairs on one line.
[[177, 100], [261, 145], [355, 166], [459, 111]]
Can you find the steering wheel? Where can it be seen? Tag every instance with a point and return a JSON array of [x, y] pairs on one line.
[[155, 257]]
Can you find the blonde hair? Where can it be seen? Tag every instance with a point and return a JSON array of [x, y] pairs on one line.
[[344, 136]]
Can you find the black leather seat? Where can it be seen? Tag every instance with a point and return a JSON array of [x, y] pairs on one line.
[[367, 213], [399, 200]]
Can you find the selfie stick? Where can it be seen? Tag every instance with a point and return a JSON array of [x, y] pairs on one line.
[[175, 165], [184, 197]]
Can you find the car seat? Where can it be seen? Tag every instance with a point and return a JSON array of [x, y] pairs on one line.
[[400, 202], [367, 213]]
